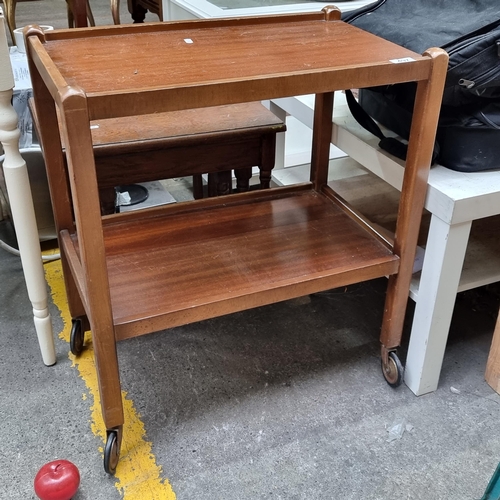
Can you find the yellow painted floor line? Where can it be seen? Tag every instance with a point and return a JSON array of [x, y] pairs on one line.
[[138, 476]]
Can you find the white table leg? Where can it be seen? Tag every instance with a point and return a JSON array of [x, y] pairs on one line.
[[21, 206], [440, 277], [280, 138]]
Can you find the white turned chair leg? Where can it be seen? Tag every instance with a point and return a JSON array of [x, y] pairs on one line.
[[21, 205]]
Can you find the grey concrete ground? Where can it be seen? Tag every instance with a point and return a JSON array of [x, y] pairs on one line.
[[43, 416], [285, 402], [281, 402]]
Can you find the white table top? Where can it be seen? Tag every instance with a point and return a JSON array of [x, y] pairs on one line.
[[205, 9], [453, 196]]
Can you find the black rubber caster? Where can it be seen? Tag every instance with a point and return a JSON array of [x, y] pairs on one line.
[[77, 336], [111, 453], [393, 371]]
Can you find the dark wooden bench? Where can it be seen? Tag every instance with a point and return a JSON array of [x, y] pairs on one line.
[[213, 140]]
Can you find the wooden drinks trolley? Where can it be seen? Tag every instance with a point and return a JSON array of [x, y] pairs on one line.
[[134, 273]]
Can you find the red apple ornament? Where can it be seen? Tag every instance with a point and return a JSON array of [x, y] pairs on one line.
[[57, 480]]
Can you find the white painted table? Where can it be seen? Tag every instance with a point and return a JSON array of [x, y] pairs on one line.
[[192, 9], [21, 206], [455, 200]]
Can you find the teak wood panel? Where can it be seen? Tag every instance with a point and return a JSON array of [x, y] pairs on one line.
[[154, 164], [183, 143], [186, 125], [201, 263], [132, 72], [117, 135]]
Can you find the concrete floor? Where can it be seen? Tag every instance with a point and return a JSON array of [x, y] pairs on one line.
[[281, 402], [285, 402]]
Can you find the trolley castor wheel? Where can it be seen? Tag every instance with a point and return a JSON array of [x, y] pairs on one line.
[[393, 370], [111, 453], [77, 336]]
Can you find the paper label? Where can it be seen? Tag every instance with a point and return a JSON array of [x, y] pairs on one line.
[[20, 70], [402, 60]]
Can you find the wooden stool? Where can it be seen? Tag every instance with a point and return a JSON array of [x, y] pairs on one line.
[[492, 374], [77, 19], [10, 15], [139, 8], [184, 143]]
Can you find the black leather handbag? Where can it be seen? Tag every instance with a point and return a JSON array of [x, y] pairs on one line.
[[468, 137]]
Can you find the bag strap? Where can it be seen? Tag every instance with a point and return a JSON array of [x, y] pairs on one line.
[[389, 144]]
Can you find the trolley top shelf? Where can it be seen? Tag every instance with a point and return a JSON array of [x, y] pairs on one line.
[[210, 62]]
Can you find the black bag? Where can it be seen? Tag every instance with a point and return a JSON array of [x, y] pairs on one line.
[[468, 136]]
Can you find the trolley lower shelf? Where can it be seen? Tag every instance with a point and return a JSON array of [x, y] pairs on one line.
[[195, 260]]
